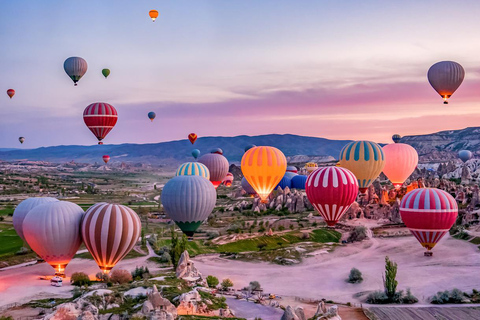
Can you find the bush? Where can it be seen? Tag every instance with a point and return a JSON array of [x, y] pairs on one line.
[[355, 276], [76, 293], [254, 286], [212, 281], [22, 251], [409, 298], [261, 246], [166, 258], [212, 235], [102, 277], [377, 297], [358, 234], [80, 279], [454, 296], [141, 273], [120, 276], [226, 283]]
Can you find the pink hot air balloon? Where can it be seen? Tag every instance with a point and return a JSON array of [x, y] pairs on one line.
[[106, 158], [331, 190], [400, 161], [429, 213], [228, 179], [217, 164]]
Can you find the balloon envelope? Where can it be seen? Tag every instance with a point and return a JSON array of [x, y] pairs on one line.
[[217, 165], [106, 72], [151, 115], [153, 15], [10, 93], [298, 182], [250, 146], [106, 158], [217, 151], [445, 77], [311, 166], [100, 118], [396, 138], [192, 137], [21, 139], [193, 169], [75, 67], [247, 187], [227, 181], [24, 208], [195, 153], [400, 161], [465, 155], [292, 169]]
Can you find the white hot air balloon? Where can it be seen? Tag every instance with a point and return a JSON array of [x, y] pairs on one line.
[[75, 67], [23, 208], [445, 77]]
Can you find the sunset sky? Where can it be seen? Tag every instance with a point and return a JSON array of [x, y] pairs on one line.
[[335, 69]]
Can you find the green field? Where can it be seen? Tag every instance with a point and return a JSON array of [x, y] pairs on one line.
[[10, 242], [86, 255], [6, 211], [194, 247]]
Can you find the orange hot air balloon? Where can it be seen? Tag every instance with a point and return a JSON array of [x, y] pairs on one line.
[[153, 14], [192, 137], [400, 161], [264, 167]]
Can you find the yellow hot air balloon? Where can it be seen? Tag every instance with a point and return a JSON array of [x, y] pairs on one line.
[[365, 159], [264, 167], [153, 14], [311, 166]]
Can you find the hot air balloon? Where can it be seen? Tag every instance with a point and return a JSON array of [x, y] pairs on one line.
[[264, 167], [193, 169], [217, 151], [106, 72], [286, 181], [445, 77], [331, 190], [24, 208], [292, 169], [195, 153], [365, 159], [250, 146], [298, 182], [110, 231], [217, 164], [100, 118], [396, 138], [21, 139], [228, 179], [75, 67], [10, 93], [192, 137], [400, 161], [151, 115], [153, 14], [106, 158], [52, 230], [311, 166], [188, 200], [429, 213], [465, 155], [247, 187]]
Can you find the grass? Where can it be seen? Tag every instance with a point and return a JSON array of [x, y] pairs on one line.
[[131, 255], [6, 211], [475, 240], [9, 240], [194, 247], [47, 303]]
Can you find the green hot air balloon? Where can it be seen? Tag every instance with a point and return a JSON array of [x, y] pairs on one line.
[[106, 72], [188, 200]]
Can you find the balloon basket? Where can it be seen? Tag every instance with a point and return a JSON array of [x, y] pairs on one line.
[[428, 253], [445, 102]]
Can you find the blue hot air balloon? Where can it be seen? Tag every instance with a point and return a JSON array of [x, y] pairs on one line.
[[247, 187], [396, 138], [250, 146], [195, 153], [465, 155], [285, 182], [298, 182], [151, 115], [217, 151]]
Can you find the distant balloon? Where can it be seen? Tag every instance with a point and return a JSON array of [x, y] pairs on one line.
[[151, 115], [52, 230], [195, 153], [465, 155], [100, 118], [247, 187], [396, 138], [331, 190], [285, 182], [217, 151], [21, 139], [429, 213], [106, 158], [188, 200], [445, 77], [400, 161], [228, 179], [10, 93], [263, 167], [365, 159], [292, 169], [250, 146], [217, 165], [75, 67], [106, 72], [24, 208], [298, 182], [153, 14], [193, 169], [311, 166], [192, 137]]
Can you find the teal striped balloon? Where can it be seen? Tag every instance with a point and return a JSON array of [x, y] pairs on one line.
[[193, 169]]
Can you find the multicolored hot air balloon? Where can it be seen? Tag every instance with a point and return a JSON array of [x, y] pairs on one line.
[[311, 166], [445, 77], [250, 146], [365, 159], [100, 118], [331, 190], [106, 158], [110, 231], [195, 153], [217, 151], [24, 208], [75, 67], [153, 15], [264, 167], [292, 169], [396, 138], [106, 72], [429, 213], [298, 182], [10, 93], [465, 155], [400, 161], [228, 179], [188, 200], [192, 137], [21, 139], [217, 164], [193, 169], [52, 230], [151, 115], [247, 187]]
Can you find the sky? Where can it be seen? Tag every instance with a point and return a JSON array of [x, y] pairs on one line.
[[337, 69]]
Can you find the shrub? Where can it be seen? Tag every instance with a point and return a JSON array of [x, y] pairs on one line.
[[141, 273], [355, 276], [120, 276], [281, 228], [80, 279], [377, 297], [254, 286], [212, 235], [212, 281], [2, 218], [454, 296], [76, 292], [409, 298], [261, 246], [226, 283], [166, 258], [22, 251], [358, 234], [102, 277]]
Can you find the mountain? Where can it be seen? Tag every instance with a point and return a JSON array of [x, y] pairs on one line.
[[173, 152]]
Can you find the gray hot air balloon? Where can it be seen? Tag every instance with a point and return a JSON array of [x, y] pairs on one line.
[[445, 77], [465, 155], [24, 208], [247, 187], [188, 200], [75, 67], [217, 164]]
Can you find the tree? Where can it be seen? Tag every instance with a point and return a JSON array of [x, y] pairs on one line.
[[80, 279], [389, 280], [355, 276], [255, 286], [226, 283], [212, 281], [179, 245], [120, 276]]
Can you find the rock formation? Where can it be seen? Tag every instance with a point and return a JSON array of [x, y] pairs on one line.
[[186, 270]]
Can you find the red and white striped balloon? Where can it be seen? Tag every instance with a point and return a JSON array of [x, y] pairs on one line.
[[331, 190], [100, 118], [429, 213]]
